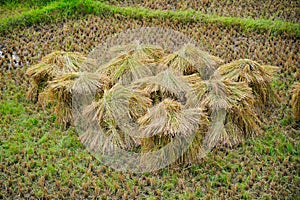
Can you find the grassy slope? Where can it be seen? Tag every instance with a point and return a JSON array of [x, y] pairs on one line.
[[62, 8], [285, 10]]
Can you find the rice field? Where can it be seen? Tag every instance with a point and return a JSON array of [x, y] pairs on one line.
[[41, 160]]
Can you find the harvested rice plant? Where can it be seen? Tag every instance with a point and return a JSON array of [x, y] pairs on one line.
[[231, 97]]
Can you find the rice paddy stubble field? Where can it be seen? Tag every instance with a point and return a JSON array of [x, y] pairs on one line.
[[40, 160]]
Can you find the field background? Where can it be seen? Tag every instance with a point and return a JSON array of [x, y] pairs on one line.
[[40, 160]]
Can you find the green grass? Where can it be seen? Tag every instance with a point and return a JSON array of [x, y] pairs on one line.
[[66, 9], [15, 7]]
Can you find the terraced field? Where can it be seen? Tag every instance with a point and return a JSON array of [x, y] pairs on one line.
[[274, 10], [38, 159]]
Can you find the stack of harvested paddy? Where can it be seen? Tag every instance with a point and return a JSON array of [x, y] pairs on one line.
[[155, 99]]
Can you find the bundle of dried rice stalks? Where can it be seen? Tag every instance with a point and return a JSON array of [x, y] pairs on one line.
[[167, 120], [198, 88], [126, 69], [190, 59], [117, 107], [61, 89], [165, 84], [231, 108], [140, 51], [296, 101], [55, 64], [133, 61], [257, 76]]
